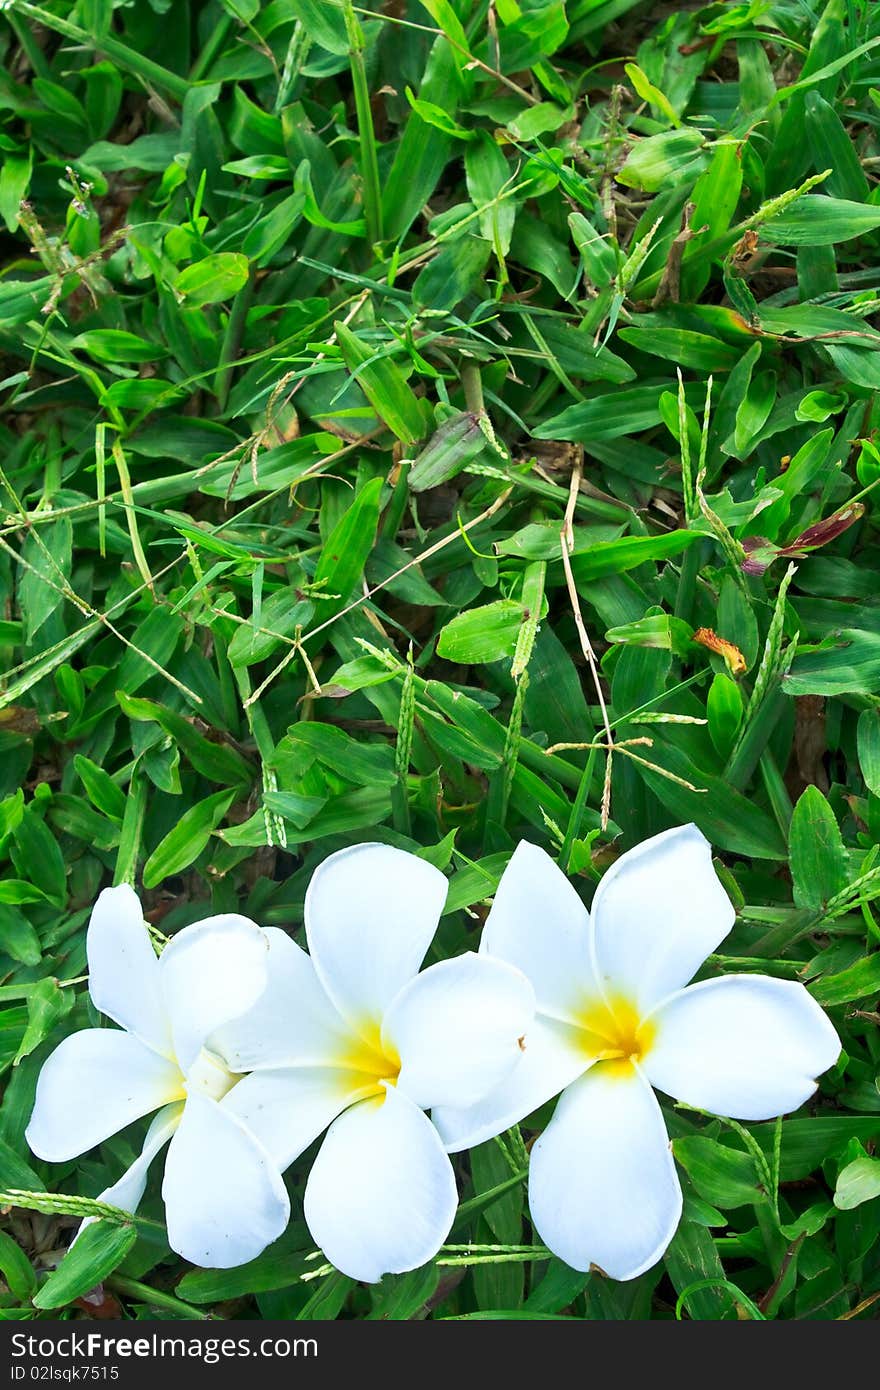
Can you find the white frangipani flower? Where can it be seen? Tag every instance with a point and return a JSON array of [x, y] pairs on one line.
[[224, 1197], [352, 1037], [615, 1019]]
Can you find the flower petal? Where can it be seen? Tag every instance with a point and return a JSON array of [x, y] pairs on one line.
[[539, 924], [602, 1184], [224, 1197], [293, 1023], [95, 1083], [554, 1057], [458, 1028], [746, 1046], [127, 1191], [371, 912], [657, 914], [211, 972], [381, 1195], [124, 968], [288, 1108]]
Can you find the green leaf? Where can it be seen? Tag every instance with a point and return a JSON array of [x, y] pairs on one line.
[[648, 92], [723, 1176], [818, 858], [150, 153], [456, 271], [458, 441], [857, 1183], [369, 764], [185, 842], [443, 14], [525, 38], [18, 938], [661, 631], [242, 10], [17, 1269], [37, 856], [848, 664], [834, 149], [662, 159], [727, 818], [616, 557], [47, 1005], [279, 1266], [15, 176], [281, 615], [690, 1258], [100, 788], [816, 220], [113, 345], [869, 748], [435, 115], [216, 761], [323, 23], [15, 1174], [724, 709], [217, 277], [365, 806], [400, 1297], [487, 173], [274, 230], [715, 197], [299, 810], [610, 416], [858, 981], [482, 634], [384, 385], [99, 1250], [696, 350], [345, 551], [47, 555]]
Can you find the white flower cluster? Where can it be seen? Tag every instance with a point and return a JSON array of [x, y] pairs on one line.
[[248, 1049]]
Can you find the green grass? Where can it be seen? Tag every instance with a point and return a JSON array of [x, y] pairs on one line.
[[320, 327]]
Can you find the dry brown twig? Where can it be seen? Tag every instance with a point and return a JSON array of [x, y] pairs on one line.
[[567, 538]]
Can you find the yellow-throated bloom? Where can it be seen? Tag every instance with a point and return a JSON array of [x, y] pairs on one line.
[[613, 1021], [352, 1037], [224, 1197]]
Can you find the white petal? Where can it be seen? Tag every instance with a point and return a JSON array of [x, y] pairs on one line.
[[657, 914], [381, 1195], [746, 1046], [602, 1184], [95, 1083], [211, 972], [224, 1197], [288, 1108], [124, 968], [554, 1056], [457, 1028], [293, 1023], [371, 912], [539, 924], [127, 1191]]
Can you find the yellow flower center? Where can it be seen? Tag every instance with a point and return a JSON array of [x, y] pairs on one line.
[[373, 1062], [616, 1033], [209, 1075]]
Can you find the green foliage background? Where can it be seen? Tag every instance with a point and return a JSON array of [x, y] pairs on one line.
[[306, 298]]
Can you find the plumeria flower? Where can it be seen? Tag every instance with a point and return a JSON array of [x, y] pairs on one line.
[[224, 1197], [614, 1020], [352, 1037]]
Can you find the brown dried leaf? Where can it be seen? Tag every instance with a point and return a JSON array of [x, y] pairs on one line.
[[733, 657]]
